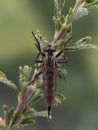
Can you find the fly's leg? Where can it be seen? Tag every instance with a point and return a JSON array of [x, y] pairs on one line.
[[60, 74], [38, 44], [37, 57], [68, 40], [38, 61], [35, 76], [64, 60], [59, 53], [61, 61]]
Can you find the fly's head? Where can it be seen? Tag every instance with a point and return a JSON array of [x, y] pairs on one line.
[[50, 50]]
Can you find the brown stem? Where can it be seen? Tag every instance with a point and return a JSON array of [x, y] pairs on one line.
[[28, 94], [21, 104], [24, 99], [59, 35], [65, 27], [77, 4]]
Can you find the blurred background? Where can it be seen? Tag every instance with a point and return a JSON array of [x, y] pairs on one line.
[[17, 20]]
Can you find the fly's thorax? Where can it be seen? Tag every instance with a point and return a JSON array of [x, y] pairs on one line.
[[49, 60]]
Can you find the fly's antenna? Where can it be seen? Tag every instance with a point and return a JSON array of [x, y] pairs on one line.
[[49, 112]]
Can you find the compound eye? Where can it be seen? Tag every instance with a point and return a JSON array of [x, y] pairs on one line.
[[50, 49], [47, 50]]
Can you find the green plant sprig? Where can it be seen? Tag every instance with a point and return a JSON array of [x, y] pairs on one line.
[[30, 93], [26, 96]]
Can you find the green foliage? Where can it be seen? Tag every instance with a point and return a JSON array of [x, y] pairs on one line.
[[58, 17], [42, 39], [35, 98], [24, 75], [58, 7], [9, 83], [91, 4], [58, 22], [79, 12], [81, 44], [14, 128], [59, 98], [17, 119], [90, 1], [8, 114], [40, 114]]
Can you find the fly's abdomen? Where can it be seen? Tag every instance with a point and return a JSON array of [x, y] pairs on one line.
[[49, 85]]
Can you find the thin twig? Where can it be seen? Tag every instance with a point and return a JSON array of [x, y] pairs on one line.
[[66, 25], [24, 99]]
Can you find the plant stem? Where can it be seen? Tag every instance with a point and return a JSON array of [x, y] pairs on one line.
[[61, 32], [66, 25], [24, 99], [31, 88]]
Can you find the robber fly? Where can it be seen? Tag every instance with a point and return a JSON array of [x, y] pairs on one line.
[[49, 71]]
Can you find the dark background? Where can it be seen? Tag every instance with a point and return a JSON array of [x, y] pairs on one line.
[[17, 20]]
